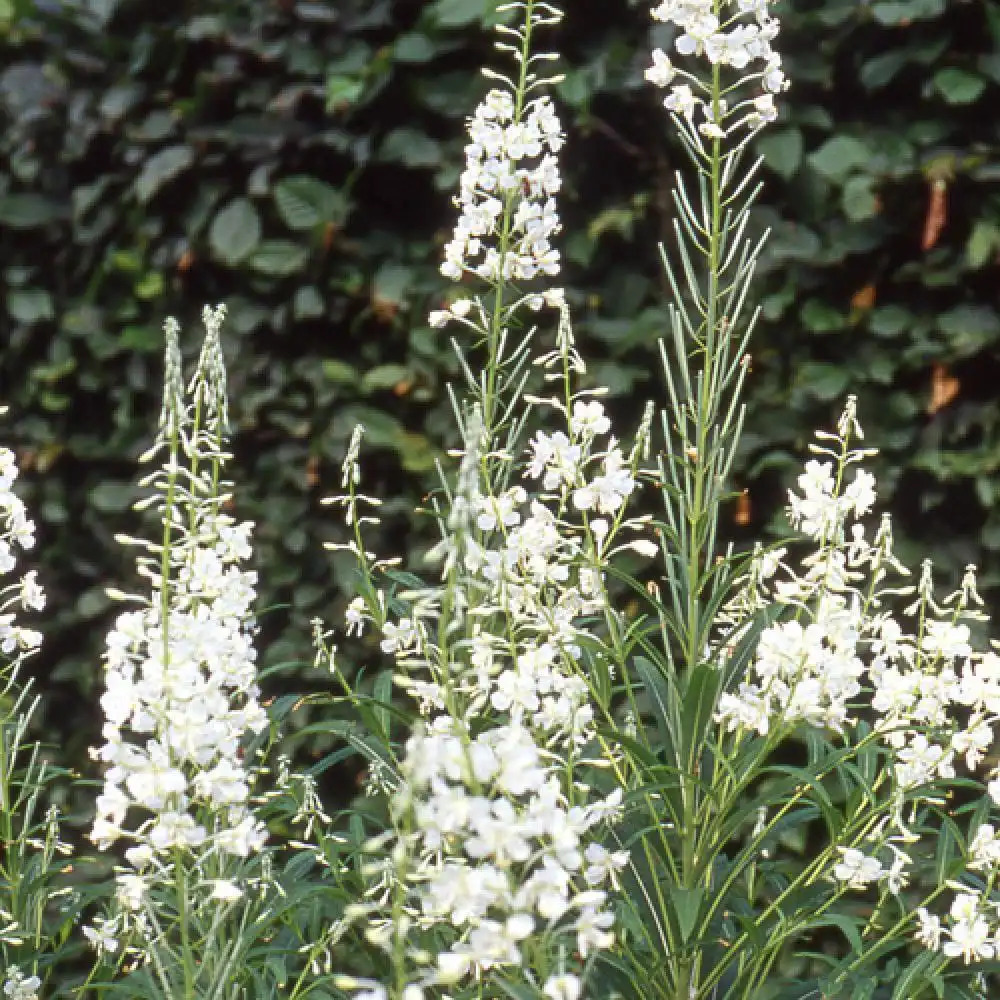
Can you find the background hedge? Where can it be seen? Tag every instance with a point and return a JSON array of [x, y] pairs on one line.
[[296, 160]]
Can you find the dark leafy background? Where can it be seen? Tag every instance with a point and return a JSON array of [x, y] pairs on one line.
[[296, 159]]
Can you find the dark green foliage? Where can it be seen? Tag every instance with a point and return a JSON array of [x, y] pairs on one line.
[[296, 159]]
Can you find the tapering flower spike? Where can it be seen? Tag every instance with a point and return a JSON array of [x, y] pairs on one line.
[[182, 693]]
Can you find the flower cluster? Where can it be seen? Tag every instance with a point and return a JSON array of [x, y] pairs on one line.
[[18, 986], [17, 531], [971, 930], [736, 34], [180, 671], [499, 847], [508, 210], [507, 844], [842, 656]]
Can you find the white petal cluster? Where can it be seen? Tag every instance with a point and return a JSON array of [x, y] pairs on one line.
[[18, 986], [17, 532], [734, 33], [507, 200], [507, 844], [508, 847], [971, 931], [500, 850], [857, 870], [181, 689], [841, 657]]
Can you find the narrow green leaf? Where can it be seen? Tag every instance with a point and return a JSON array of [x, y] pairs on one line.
[[663, 699], [382, 704], [686, 909], [700, 699]]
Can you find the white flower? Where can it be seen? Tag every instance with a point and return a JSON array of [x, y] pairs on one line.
[[742, 45], [857, 869], [20, 987], [131, 890], [225, 891], [698, 29], [920, 761], [929, 934], [354, 616], [681, 101], [398, 638], [662, 71], [970, 939], [946, 640], [565, 986], [593, 924], [32, 595], [495, 167], [102, 935], [984, 850], [589, 419], [974, 742]]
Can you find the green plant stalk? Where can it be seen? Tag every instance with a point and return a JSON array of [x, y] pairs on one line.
[[704, 509], [188, 962], [497, 317]]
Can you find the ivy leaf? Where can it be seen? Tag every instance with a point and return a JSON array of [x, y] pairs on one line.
[[279, 258], [235, 232], [957, 86], [29, 305], [839, 156], [305, 202], [413, 148], [822, 380], [457, 13], [880, 70], [984, 243], [858, 198], [820, 317], [342, 92], [308, 303], [903, 11], [782, 151], [889, 321], [969, 328], [161, 168], [414, 48], [27, 211]]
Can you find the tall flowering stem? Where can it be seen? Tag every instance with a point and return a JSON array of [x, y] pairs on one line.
[[182, 699], [717, 111], [497, 875], [721, 80], [29, 833], [799, 653]]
